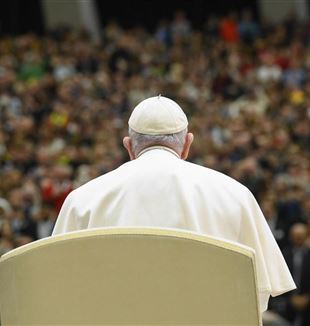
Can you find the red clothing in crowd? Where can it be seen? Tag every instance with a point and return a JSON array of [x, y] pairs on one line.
[[229, 30]]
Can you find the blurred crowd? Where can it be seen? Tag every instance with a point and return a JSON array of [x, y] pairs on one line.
[[65, 102]]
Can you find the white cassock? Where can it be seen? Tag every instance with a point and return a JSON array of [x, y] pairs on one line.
[[160, 190]]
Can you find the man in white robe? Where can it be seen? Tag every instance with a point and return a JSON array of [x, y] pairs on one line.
[[158, 188]]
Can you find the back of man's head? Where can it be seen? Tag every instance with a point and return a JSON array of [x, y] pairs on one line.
[[157, 121], [158, 115]]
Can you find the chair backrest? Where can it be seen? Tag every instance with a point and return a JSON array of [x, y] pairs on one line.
[[129, 276]]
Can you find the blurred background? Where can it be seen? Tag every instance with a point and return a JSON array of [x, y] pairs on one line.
[[71, 71]]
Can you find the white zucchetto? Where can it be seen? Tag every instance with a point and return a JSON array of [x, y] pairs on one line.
[[157, 115]]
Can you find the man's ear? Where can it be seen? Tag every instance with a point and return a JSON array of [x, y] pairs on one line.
[[188, 142], [128, 146]]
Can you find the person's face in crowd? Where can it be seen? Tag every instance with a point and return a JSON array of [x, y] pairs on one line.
[[6, 230], [23, 240], [16, 198], [6, 244], [298, 234]]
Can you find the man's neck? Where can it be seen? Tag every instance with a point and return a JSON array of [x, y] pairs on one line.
[[165, 148]]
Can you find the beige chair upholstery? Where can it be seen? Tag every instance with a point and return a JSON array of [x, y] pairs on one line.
[[129, 277]]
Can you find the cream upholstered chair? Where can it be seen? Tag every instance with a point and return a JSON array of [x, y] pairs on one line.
[[129, 276]]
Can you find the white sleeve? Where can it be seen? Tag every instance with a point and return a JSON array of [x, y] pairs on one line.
[[273, 275], [66, 220]]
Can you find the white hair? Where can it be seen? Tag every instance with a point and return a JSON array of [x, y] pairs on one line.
[[141, 141]]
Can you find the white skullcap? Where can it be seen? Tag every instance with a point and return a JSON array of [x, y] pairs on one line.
[[157, 116]]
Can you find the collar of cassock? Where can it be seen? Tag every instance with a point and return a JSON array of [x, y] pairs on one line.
[[158, 147]]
